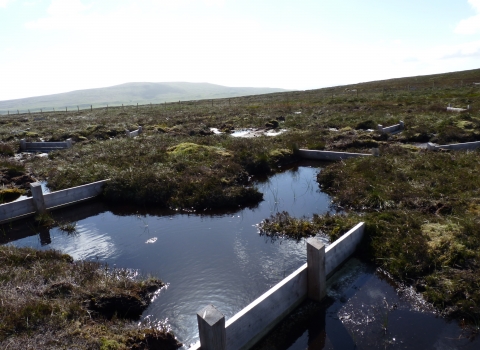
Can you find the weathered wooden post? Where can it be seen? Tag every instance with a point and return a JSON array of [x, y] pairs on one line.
[[38, 200], [211, 329], [316, 276]]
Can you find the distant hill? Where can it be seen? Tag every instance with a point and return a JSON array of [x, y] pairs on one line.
[[129, 94]]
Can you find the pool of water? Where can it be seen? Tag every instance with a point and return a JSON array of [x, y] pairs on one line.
[[217, 259], [220, 259], [366, 309]]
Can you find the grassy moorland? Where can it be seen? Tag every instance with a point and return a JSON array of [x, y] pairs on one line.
[[422, 208], [51, 302], [128, 94]]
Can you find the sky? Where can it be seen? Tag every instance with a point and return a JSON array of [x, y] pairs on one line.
[[54, 46]]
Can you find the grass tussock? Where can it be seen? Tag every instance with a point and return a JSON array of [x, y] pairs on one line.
[[421, 208], [50, 301]]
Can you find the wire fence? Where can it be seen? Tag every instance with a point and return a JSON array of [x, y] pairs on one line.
[[363, 89]]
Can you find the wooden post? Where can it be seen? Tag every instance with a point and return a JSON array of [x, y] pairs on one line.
[[211, 329], [38, 200], [316, 277]]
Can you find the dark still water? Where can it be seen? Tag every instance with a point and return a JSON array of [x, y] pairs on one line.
[[220, 259], [205, 259]]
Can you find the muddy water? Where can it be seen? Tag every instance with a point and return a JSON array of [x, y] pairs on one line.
[[220, 259]]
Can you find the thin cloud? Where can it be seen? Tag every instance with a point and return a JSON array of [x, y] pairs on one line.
[[4, 3], [470, 25]]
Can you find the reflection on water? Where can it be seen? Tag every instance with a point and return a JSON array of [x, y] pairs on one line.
[[364, 310], [220, 259], [206, 259]]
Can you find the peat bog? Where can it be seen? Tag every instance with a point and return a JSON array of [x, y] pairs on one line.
[[421, 207]]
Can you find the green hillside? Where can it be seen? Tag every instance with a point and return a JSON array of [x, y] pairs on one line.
[[129, 94]]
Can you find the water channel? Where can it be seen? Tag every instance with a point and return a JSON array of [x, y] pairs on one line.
[[220, 259]]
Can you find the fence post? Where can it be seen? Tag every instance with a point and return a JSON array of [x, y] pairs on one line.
[[38, 200], [316, 277], [23, 144], [211, 329]]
